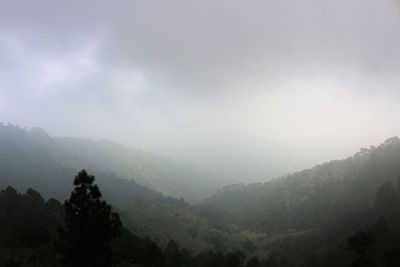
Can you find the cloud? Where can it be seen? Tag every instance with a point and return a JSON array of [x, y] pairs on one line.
[[208, 42], [233, 83]]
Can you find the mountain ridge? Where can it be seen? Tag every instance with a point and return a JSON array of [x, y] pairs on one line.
[[157, 173]]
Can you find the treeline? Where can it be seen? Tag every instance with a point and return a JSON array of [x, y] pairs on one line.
[[30, 236], [313, 198], [377, 240], [38, 232], [362, 238]]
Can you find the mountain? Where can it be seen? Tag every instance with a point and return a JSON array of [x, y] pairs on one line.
[[310, 197], [32, 159], [160, 174], [42, 157], [341, 213]]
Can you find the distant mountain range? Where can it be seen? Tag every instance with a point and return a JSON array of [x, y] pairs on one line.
[[31, 156]]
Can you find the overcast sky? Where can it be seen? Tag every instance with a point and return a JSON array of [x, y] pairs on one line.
[[254, 88]]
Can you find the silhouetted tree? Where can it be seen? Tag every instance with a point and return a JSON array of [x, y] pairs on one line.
[[34, 195], [9, 199], [90, 226]]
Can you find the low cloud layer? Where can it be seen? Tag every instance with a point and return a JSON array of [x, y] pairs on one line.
[[251, 88]]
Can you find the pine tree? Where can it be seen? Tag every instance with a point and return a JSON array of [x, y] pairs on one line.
[[90, 226]]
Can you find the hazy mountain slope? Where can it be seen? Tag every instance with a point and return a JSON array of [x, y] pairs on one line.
[[313, 197], [35, 150], [160, 174], [28, 159]]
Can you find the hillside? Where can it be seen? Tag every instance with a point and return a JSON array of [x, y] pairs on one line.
[[340, 213], [166, 219], [160, 174], [316, 196], [28, 231], [44, 157], [27, 160], [29, 227]]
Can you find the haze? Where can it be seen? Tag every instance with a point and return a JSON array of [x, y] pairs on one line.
[[251, 89]]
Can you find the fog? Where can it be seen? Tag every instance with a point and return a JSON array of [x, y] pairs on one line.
[[251, 89]]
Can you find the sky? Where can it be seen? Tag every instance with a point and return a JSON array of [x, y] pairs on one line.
[[252, 89]]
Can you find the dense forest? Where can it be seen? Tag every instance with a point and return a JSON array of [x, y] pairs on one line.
[[30, 236], [341, 213]]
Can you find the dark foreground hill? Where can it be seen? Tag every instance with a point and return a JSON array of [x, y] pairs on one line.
[[28, 231], [29, 235]]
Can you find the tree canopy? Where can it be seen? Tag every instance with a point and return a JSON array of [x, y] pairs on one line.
[[90, 226]]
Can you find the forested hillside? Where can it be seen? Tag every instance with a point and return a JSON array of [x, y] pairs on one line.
[[29, 236], [304, 219], [160, 174], [315, 197], [27, 161], [196, 228], [341, 213], [30, 158]]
